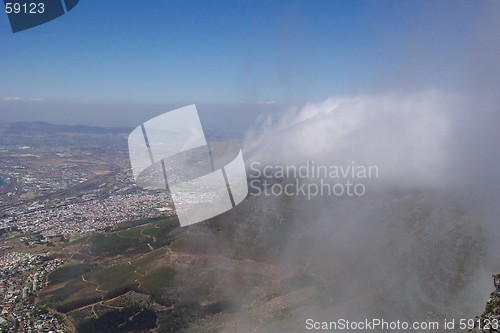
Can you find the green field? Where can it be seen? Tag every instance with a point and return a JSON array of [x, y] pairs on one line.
[[68, 272], [115, 262], [158, 279], [131, 241]]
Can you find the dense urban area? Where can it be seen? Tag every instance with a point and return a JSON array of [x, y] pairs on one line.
[[57, 184]]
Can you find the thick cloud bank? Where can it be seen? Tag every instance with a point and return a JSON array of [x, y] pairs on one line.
[[405, 135]]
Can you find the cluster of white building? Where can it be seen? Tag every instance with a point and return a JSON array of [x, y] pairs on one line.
[[21, 276], [88, 216]]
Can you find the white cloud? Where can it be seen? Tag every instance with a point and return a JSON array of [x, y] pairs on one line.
[[18, 98], [12, 98], [405, 135]]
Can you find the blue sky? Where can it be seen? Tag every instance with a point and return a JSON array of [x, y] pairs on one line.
[[229, 52]]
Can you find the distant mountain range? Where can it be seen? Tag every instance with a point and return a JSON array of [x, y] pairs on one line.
[[44, 127]]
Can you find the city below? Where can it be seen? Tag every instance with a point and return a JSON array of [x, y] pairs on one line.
[[59, 183]]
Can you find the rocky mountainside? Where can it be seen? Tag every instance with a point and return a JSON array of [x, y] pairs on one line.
[[489, 320]]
